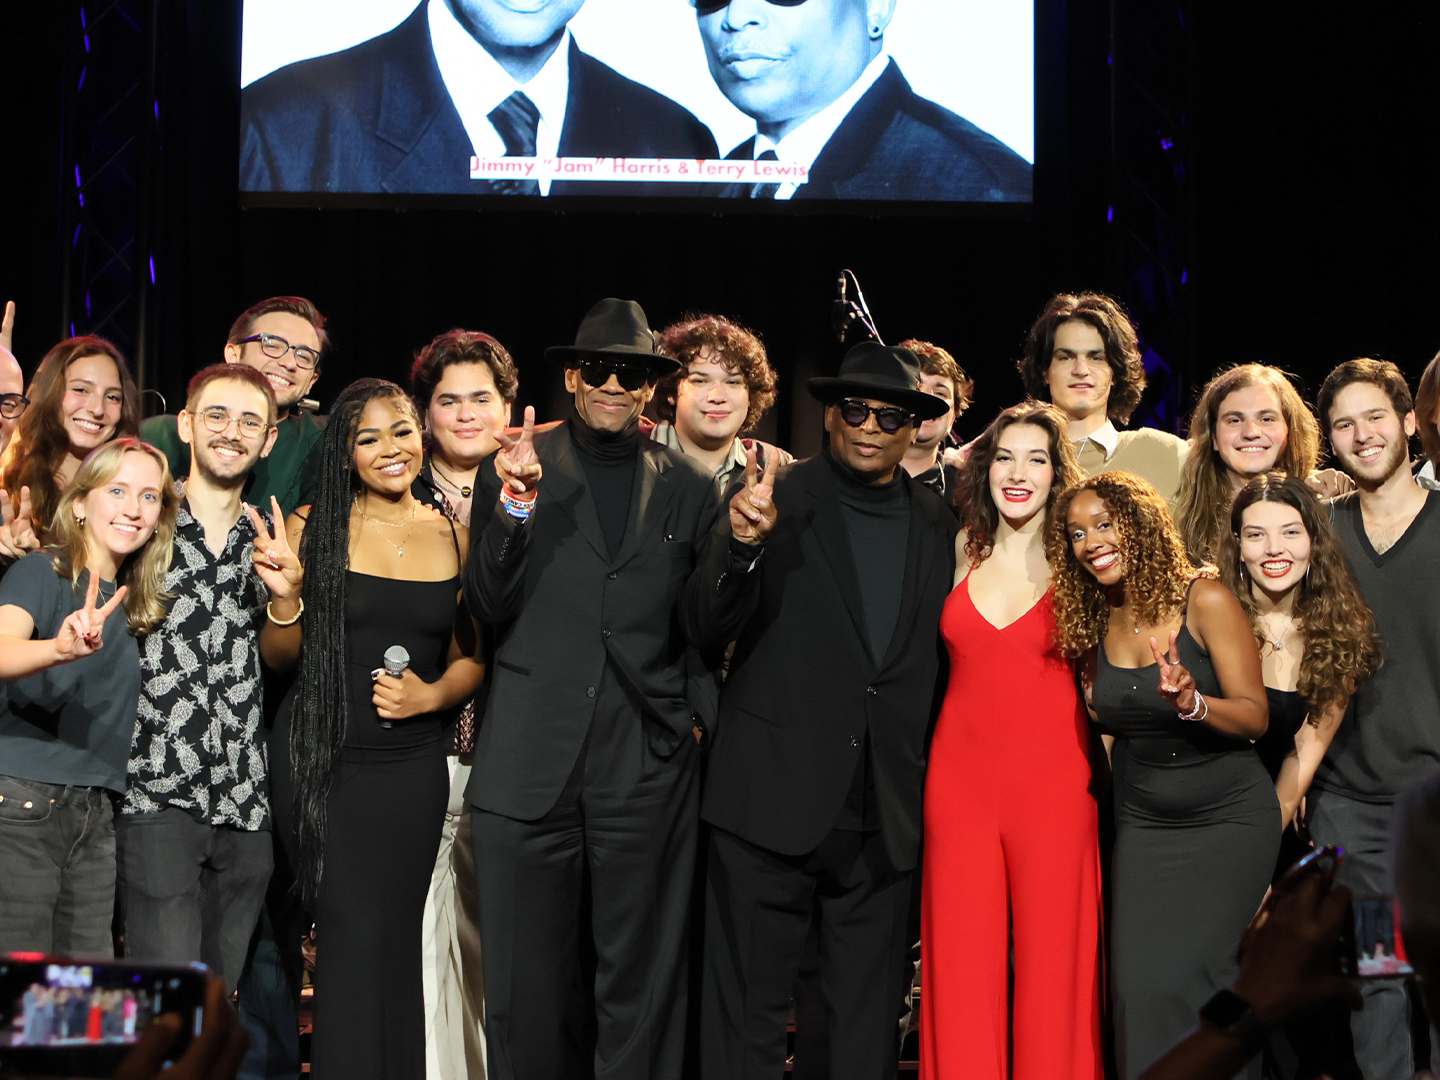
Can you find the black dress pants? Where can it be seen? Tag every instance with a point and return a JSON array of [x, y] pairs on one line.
[[629, 819], [758, 910]]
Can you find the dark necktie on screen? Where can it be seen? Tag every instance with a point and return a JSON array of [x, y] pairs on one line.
[[517, 121], [765, 191]]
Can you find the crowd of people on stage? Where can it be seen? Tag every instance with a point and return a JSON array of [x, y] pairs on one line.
[[589, 747]]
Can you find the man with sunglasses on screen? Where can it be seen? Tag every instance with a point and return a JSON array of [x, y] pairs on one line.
[[832, 589], [587, 758], [405, 111], [825, 94], [284, 339]]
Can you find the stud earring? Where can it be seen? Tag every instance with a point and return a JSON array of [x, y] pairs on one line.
[[80, 520]]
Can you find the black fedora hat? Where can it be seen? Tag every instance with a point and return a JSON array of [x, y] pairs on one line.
[[614, 330], [881, 373]]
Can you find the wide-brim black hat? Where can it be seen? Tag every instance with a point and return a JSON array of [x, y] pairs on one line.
[[881, 373], [615, 330]]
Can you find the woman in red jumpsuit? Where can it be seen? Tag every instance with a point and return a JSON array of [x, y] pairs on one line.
[[1011, 846]]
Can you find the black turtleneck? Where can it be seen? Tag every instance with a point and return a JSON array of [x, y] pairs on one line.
[[608, 458], [877, 518]]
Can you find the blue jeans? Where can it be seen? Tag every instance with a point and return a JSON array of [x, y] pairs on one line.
[[57, 868]]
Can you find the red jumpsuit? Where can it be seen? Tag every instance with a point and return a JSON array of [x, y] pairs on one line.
[[1011, 846]]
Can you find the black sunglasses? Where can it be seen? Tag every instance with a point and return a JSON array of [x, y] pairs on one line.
[[630, 376], [891, 418], [709, 7]]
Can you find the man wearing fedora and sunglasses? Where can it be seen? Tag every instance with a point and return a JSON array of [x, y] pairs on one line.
[[588, 757], [832, 589]]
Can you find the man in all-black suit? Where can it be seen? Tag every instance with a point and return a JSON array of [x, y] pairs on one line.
[[814, 782], [824, 94], [404, 112], [587, 757]]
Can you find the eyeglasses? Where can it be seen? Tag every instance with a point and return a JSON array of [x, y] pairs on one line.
[[12, 405], [709, 7], [631, 376], [217, 421], [274, 346], [891, 418]]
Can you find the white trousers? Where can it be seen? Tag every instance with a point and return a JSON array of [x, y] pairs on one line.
[[454, 986]]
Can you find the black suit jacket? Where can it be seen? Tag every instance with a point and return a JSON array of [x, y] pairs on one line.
[[562, 608], [803, 689], [895, 144], [378, 118]]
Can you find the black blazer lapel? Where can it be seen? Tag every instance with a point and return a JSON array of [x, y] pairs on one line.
[[853, 145], [564, 484], [918, 569], [418, 119], [648, 500], [744, 152], [833, 537]]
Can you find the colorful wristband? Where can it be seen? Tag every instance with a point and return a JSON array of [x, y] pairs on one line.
[[518, 508]]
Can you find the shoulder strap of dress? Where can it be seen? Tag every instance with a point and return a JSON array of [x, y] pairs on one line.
[[454, 539]]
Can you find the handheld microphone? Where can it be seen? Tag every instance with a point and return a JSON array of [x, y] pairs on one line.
[[397, 659]]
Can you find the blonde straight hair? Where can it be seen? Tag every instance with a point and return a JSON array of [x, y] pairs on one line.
[[143, 571]]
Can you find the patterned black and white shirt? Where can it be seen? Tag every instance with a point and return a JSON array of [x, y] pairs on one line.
[[200, 740]]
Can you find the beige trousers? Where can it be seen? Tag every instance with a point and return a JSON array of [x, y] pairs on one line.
[[454, 987]]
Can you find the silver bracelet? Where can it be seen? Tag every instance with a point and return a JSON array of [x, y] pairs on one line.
[[1200, 711]]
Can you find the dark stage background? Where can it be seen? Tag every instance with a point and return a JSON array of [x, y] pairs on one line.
[[1292, 219]]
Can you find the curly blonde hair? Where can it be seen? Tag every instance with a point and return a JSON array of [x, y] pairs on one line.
[[1158, 573], [1342, 648]]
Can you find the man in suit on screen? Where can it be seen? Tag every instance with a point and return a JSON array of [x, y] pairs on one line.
[[404, 112], [824, 93]]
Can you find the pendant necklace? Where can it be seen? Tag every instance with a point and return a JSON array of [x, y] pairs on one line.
[[406, 525], [464, 490]]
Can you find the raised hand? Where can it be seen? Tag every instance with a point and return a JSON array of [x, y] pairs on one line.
[[7, 327], [752, 508], [516, 463], [1177, 685], [83, 631], [399, 697], [17, 527], [275, 561], [1330, 483]]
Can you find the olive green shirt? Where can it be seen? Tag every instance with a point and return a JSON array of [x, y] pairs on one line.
[[290, 472]]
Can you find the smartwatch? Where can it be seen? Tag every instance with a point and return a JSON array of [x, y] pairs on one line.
[[1231, 1014]]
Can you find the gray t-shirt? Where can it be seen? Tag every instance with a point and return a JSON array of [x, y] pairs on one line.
[[1390, 737], [72, 723]]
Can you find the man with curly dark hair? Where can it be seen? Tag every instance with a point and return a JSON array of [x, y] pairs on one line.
[[1083, 356], [724, 386]]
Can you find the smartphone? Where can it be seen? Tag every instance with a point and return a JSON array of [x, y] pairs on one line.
[[1375, 948], [62, 1017]]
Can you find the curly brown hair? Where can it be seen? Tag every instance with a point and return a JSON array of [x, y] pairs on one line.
[[937, 361], [978, 512], [740, 351], [1427, 410], [1342, 648], [1122, 348], [1158, 573], [462, 347], [1204, 498]]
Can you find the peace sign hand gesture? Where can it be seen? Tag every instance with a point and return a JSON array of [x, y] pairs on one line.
[[17, 527], [275, 561], [752, 508], [83, 631], [516, 464], [1177, 685]]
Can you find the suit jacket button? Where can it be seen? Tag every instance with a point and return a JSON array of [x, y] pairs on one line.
[[590, 691], [612, 575], [871, 691], [604, 633], [854, 740]]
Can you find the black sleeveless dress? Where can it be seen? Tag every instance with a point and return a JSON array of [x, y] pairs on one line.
[[384, 816], [1197, 828]]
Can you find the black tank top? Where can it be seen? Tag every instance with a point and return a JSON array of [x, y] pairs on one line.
[[1287, 712]]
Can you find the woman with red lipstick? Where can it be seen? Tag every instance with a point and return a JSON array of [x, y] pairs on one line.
[[1316, 634], [1011, 851], [81, 397], [1172, 674]]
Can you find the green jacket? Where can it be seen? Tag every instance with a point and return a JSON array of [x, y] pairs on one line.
[[290, 472]]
